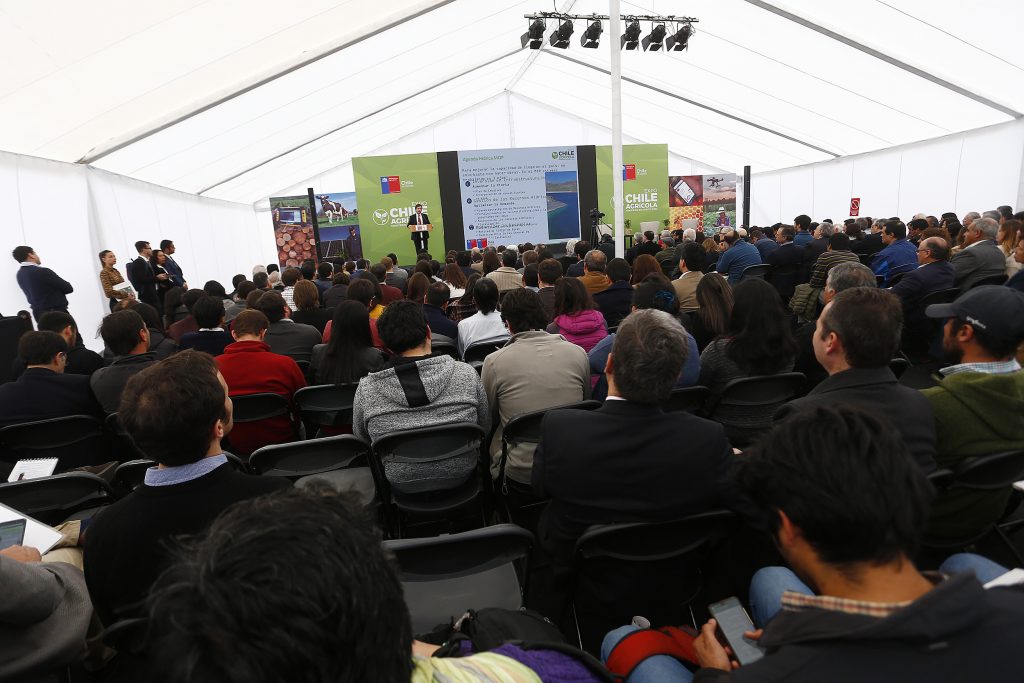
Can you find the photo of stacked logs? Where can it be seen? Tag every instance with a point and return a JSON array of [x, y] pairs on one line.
[[295, 244]]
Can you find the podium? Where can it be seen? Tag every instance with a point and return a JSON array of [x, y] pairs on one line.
[[425, 227]]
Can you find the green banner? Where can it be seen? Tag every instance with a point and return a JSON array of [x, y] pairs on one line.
[[644, 185], [388, 189]]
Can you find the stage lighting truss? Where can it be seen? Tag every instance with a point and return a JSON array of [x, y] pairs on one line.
[[657, 40]]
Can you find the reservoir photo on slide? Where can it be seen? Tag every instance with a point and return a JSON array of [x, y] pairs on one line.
[[563, 205]]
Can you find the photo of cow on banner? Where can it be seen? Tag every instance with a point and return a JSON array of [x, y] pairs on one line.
[[338, 220]]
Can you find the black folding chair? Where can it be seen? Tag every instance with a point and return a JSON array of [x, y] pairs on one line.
[[758, 271], [76, 441], [327, 405], [54, 499], [407, 471], [746, 406], [256, 407], [898, 366], [338, 461], [668, 265], [990, 280], [925, 337], [996, 474], [440, 348], [129, 475], [476, 353], [688, 399], [895, 278], [11, 329], [444, 576], [785, 280], [122, 445], [648, 568]]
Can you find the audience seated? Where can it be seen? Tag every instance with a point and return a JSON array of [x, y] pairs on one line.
[[535, 370], [615, 301], [286, 336], [289, 278], [739, 254], [187, 324], [804, 232], [758, 341], [657, 294], [871, 243], [549, 272], [764, 243], [307, 309], [857, 336], [981, 257], [44, 390], [324, 277], [838, 251], [934, 274], [250, 367], [435, 308], [485, 325], [576, 317], [211, 337], [280, 559], [628, 461], [898, 256], [788, 253], [80, 360], [180, 425], [159, 342], [646, 245], [506, 277], [44, 616], [350, 353], [238, 305], [394, 276], [846, 508], [338, 291], [126, 335], [692, 260], [594, 278], [714, 308], [980, 400], [842, 277], [388, 293]]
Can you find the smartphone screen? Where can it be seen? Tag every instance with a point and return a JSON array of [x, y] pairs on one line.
[[733, 622], [12, 533]]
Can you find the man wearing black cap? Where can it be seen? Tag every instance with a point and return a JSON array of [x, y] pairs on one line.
[[978, 405]]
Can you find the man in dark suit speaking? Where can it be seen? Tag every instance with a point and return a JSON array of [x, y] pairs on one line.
[[420, 227]]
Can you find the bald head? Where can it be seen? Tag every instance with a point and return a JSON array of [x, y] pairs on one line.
[[933, 249]]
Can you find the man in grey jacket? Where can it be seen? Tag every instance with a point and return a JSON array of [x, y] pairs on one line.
[[44, 615], [416, 390], [980, 257]]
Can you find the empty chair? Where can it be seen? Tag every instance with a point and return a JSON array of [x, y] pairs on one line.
[[327, 406], [429, 473], [329, 460], [54, 499], [444, 576], [758, 271], [746, 406], [648, 568], [687, 399], [76, 440]]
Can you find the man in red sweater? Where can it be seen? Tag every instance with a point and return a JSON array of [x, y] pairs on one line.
[[249, 367]]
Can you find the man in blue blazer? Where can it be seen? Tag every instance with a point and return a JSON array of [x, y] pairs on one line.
[[171, 266], [932, 275], [44, 289]]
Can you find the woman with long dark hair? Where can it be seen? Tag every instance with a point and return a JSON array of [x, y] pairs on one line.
[[157, 261], [576, 316], [714, 308], [416, 288], [455, 279], [350, 354], [465, 306], [110, 276], [644, 265], [758, 341]]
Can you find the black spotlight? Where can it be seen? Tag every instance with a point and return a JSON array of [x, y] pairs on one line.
[[561, 35], [678, 41], [655, 39], [592, 36], [534, 36], [631, 36]]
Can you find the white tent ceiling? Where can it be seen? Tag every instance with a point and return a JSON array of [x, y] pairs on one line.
[[235, 99]]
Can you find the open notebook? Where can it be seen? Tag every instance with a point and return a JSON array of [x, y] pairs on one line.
[[37, 535]]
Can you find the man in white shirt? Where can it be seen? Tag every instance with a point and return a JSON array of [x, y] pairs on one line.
[[485, 325]]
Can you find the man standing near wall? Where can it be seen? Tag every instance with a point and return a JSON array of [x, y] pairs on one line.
[[171, 266], [44, 289]]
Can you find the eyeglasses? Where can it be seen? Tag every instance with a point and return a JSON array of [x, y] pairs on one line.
[[923, 250]]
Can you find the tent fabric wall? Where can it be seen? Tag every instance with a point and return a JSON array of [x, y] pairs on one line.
[[69, 212], [972, 171]]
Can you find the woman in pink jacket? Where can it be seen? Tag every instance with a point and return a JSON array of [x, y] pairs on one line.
[[576, 316]]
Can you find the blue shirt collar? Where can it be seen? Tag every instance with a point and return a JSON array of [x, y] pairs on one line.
[[991, 368], [179, 474]]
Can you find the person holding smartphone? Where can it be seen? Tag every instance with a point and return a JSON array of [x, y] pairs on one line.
[[846, 505]]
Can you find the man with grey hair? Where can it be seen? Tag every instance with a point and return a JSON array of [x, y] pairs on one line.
[[689, 235], [933, 274], [970, 218], [594, 265], [626, 461], [980, 257], [871, 243], [816, 247], [668, 250], [841, 277], [993, 214]]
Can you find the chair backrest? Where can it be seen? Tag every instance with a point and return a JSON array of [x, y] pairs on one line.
[[53, 499], [76, 441], [412, 460], [302, 458], [687, 399], [759, 271], [444, 576], [123, 447], [130, 475], [525, 427], [476, 353], [11, 329], [439, 348], [762, 390], [942, 296], [256, 407], [327, 405], [652, 541], [991, 280], [899, 366], [896, 278], [667, 266], [990, 472]]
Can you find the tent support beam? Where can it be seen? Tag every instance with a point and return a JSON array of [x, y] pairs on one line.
[[98, 153], [430, 87], [706, 107], [888, 59]]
